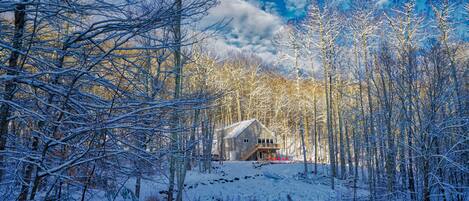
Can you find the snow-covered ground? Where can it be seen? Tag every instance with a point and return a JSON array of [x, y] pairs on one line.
[[242, 180]]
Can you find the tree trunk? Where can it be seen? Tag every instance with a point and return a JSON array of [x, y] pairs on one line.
[[356, 150], [10, 86], [367, 144], [305, 162], [343, 171], [27, 175], [175, 138], [315, 137], [138, 182], [331, 142], [349, 154]]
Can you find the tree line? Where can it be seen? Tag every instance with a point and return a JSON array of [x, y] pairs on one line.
[[385, 101]]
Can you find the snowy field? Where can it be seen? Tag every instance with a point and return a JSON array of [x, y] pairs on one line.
[[244, 181]]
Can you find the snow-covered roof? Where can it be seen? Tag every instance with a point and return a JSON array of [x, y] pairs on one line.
[[237, 128]]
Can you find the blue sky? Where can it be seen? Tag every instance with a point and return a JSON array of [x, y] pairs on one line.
[[255, 22], [289, 9], [285, 9]]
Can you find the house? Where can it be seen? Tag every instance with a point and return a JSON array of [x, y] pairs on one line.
[[245, 140]]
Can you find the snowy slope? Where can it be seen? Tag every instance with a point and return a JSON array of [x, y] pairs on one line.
[[241, 180]]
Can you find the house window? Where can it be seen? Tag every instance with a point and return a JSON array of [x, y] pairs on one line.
[[246, 140], [258, 141], [271, 141], [263, 141]]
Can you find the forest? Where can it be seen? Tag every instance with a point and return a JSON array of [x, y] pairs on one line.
[[97, 93]]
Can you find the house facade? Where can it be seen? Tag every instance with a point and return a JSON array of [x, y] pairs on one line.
[[246, 140]]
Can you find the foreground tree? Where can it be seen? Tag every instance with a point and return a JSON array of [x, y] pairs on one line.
[[75, 113]]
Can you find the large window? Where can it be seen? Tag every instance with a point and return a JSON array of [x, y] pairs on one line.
[[265, 141]]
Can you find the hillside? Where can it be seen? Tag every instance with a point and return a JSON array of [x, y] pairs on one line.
[[246, 180]]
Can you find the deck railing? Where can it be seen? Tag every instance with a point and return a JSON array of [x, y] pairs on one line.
[[268, 145], [247, 154]]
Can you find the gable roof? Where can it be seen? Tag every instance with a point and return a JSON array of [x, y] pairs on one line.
[[237, 128], [234, 130]]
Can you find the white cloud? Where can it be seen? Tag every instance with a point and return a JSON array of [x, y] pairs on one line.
[[382, 2], [250, 30], [296, 6]]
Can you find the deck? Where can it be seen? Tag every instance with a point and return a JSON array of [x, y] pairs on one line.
[[260, 147]]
